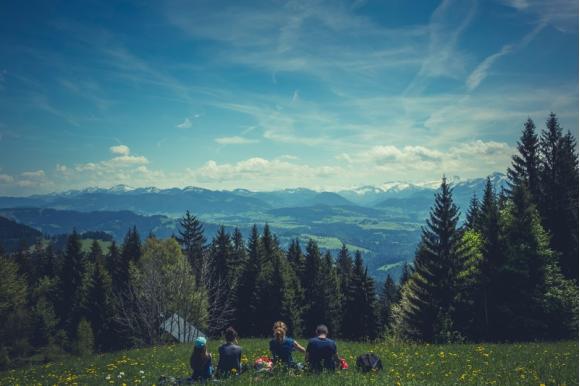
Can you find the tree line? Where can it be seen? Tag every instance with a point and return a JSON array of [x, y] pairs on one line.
[[509, 272]]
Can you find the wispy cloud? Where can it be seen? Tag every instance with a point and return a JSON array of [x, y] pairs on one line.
[[186, 124], [235, 140], [480, 72], [448, 22]]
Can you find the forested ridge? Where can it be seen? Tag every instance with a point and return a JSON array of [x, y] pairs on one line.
[[509, 273]]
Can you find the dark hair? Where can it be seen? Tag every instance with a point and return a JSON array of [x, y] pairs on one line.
[[230, 334], [322, 329], [199, 357]]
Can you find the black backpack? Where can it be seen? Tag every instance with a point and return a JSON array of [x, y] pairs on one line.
[[369, 362]]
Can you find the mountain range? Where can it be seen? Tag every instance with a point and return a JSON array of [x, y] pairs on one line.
[[382, 221]]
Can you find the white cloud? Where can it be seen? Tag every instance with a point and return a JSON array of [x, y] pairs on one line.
[[6, 179], [261, 173], [186, 124], [33, 174], [235, 140], [120, 149]]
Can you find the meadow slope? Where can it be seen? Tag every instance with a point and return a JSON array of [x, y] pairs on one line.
[[405, 364]]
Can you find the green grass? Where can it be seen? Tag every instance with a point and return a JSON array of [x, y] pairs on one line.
[[406, 364]]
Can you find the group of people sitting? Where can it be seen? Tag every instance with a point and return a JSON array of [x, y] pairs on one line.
[[320, 353]]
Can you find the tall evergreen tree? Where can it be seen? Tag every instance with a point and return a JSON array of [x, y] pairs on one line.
[[559, 194], [192, 241], [99, 306], [525, 164], [131, 250], [222, 255], [492, 259], [71, 281], [360, 313], [239, 255], [388, 297], [331, 301], [427, 297], [246, 286], [296, 258], [522, 275], [312, 287], [473, 213]]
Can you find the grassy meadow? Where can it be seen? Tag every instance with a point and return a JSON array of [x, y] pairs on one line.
[[404, 364]]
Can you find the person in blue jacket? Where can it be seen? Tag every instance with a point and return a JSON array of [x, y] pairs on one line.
[[282, 346], [321, 352]]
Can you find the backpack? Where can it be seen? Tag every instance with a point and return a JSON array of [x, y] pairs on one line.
[[369, 362]]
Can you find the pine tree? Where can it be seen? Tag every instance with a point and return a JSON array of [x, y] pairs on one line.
[[389, 296], [360, 317], [192, 242], [492, 249], [246, 286], [282, 290], [71, 282], [239, 255], [221, 255], [428, 295], [130, 253], [558, 205], [406, 273], [473, 213], [312, 287], [524, 168], [558, 167], [331, 301], [344, 272], [99, 306], [296, 258], [521, 277], [113, 264]]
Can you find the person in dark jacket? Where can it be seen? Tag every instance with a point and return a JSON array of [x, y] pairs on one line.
[[321, 352], [200, 361], [230, 355], [282, 346]]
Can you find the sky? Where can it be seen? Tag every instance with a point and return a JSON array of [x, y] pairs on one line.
[[267, 95]]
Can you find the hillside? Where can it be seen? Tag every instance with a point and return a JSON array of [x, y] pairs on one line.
[[382, 221], [407, 364], [12, 234]]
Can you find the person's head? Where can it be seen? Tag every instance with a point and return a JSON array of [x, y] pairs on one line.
[[279, 334], [231, 335], [200, 354], [321, 330], [280, 324]]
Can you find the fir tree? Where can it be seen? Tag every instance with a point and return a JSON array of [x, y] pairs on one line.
[[521, 277], [239, 255], [427, 297], [473, 213], [331, 301], [296, 258], [192, 242], [99, 306], [221, 255], [360, 317], [389, 296], [525, 164], [492, 250], [558, 205], [246, 286], [131, 250], [312, 287], [71, 282]]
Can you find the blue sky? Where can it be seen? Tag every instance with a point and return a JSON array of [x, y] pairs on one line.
[[267, 95]]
